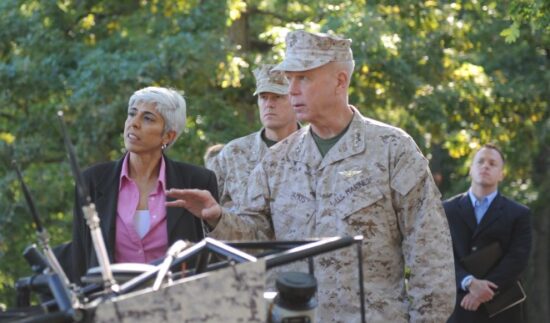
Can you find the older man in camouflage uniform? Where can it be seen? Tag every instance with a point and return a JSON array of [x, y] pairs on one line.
[[238, 158], [346, 174]]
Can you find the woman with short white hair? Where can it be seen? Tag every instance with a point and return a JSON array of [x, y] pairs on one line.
[[129, 194]]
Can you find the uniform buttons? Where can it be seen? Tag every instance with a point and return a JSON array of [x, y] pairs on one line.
[[474, 248]]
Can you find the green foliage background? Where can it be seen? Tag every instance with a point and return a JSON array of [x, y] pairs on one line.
[[453, 74]]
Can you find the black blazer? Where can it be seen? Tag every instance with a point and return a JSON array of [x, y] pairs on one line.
[[103, 183], [508, 223]]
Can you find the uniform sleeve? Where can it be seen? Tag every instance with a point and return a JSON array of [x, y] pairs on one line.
[[218, 166], [427, 247], [253, 220]]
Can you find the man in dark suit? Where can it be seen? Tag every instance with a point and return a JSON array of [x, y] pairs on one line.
[[479, 218]]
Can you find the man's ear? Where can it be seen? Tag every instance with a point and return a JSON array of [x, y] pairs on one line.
[[342, 81]]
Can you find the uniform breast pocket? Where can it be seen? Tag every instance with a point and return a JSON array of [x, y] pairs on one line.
[[360, 211], [359, 200]]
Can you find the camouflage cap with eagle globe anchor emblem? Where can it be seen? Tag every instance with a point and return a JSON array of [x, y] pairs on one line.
[[306, 51]]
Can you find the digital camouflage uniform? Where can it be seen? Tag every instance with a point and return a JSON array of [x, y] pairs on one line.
[[233, 166], [373, 182]]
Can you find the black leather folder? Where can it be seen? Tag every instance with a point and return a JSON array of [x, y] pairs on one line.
[[503, 300], [479, 263]]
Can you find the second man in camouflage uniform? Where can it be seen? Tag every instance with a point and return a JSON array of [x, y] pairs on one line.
[[238, 158]]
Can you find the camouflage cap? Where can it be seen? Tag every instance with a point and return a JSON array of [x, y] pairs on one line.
[[268, 81], [306, 51]]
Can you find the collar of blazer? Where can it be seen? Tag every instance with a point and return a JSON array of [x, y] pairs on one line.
[[107, 197], [468, 215]]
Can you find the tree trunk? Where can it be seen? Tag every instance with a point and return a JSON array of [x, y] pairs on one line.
[[538, 287], [537, 274], [239, 34]]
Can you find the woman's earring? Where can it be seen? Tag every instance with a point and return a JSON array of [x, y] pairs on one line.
[[164, 146]]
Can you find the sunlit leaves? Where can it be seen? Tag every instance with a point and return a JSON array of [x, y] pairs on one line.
[[7, 137], [300, 7], [64, 5], [28, 8], [174, 7], [235, 8], [460, 143], [229, 73], [87, 22], [473, 73], [511, 33], [533, 14], [388, 10], [390, 42]]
